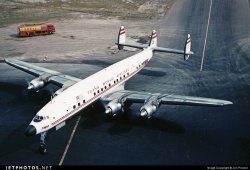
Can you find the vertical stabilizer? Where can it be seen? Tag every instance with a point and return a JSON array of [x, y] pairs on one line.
[[121, 38], [187, 47], [153, 40]]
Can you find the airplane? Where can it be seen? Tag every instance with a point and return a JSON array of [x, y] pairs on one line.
[[106, 86]]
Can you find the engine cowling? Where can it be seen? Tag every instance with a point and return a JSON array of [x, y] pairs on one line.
[[36, 84], [149, 108], [113, 107]]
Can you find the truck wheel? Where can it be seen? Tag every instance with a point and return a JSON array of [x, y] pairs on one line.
[[50, 32], [31, 34]]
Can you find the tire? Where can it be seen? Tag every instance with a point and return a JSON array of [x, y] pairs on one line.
[[42, 149]]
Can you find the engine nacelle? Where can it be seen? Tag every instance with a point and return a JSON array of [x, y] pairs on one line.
[[113, 107], [149, 108], [36, 84]]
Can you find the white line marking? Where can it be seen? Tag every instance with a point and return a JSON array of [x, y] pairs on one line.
[[70, 139], [204, 48]]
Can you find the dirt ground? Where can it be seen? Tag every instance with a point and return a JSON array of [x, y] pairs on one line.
[[87, 36]]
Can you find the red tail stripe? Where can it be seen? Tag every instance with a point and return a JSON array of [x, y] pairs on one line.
[[154, 35], [122, 32], [188, 41]]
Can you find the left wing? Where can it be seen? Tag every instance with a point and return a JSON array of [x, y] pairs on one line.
[[153, 101], [45, 76]]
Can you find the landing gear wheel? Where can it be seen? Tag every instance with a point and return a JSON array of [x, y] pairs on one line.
[[42, 149]]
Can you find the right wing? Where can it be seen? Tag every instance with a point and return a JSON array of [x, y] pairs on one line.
[[44, 75]]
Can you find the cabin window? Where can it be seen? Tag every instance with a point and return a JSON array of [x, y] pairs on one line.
[[109, 85], [105, 87], [74, 106], [94, 94], [127, 73], [78, 104], [116, 80], [83, 101], [101, 89], [124, 75]]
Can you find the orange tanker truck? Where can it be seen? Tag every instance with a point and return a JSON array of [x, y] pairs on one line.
[[35, 29]]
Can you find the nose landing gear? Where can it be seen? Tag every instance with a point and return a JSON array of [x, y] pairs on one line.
[[42, 148]]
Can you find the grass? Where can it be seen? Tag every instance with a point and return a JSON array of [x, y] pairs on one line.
[[13, 11]]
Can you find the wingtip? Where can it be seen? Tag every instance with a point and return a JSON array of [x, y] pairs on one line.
[[227, 102], [5, 60]]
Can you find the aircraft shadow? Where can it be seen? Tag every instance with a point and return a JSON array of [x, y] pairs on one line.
[[17, 99], [100, 63], [244, 144], [144, 71], [20, 94], [123, 123], [16, 141]]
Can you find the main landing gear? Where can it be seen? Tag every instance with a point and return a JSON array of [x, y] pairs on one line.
[[42, 148]]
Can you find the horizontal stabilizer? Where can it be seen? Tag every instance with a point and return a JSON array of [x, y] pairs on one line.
[[132, 45], [169, 50], [153, 44]]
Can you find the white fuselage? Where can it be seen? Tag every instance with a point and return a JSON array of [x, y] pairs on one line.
[[88, 90]]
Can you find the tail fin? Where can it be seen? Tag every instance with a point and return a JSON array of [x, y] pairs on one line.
[[121, 38], [187, 47], [153, 40]]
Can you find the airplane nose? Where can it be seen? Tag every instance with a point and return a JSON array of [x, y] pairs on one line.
[[30, 131]]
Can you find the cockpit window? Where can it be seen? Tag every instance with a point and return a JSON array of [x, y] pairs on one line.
[[40, 118]]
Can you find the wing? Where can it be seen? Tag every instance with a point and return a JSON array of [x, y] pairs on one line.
[[47, 75], [142, 97], [115, 102]]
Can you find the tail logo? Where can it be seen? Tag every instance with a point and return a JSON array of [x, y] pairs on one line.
[[188, 40], [122, 30]]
